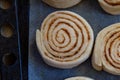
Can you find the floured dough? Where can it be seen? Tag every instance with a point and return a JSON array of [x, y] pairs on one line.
[[106, 54], [65, 39], [111, 6], [62, 3], [79, 78]]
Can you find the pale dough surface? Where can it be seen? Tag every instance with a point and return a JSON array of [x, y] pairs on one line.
[[113, 1], [111, 6], [79, 78], [65, 39], [106, 54], [62, 3]]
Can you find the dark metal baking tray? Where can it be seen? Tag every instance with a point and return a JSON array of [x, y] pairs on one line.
[[97, 18], [13, 50]]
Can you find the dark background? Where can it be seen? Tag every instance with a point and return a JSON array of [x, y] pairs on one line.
[[23, 14], [18, 16]]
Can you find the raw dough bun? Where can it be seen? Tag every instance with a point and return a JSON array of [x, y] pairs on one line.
[[79, 78], [62, 3], [106, 54], [111, 6], [65, 39]]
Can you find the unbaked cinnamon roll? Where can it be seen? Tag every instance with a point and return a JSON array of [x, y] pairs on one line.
[[106, 54], [111, 6], [62, 3], [79, 78], [65, 39]]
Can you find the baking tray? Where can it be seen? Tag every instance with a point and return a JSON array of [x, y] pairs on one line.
[[12, 52], [97, 18], [23, 19]]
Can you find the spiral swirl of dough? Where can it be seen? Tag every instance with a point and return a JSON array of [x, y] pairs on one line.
[[113, 2], [111, 6], [65, 39], [107, 50]]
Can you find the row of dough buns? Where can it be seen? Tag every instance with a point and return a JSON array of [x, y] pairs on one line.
[[110, 6], [65, 40]]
